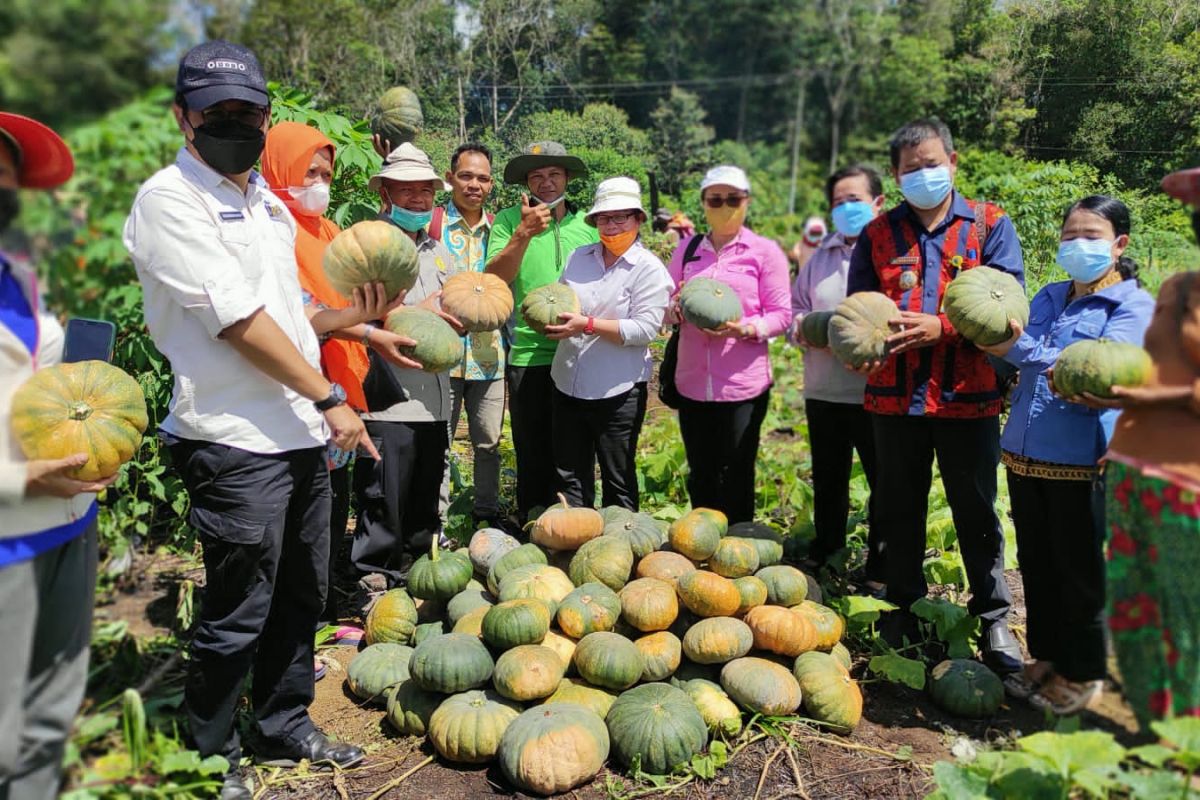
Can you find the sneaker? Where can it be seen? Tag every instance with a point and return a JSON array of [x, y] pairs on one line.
[[1064, 698]]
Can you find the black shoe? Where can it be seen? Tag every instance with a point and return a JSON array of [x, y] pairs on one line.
[[234, 788], [316, 748], [1000, 649]]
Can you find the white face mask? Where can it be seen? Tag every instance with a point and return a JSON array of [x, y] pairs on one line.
[[311, 200]]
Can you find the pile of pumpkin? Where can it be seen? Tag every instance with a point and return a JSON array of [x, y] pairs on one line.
[[607, 633]]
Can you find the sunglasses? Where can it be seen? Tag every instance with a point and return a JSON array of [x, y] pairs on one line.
[[253, 116], [733, 200], [611, 219]]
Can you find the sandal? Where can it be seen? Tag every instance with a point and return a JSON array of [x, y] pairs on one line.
[[319, 669], [1028, 680], [1064, 697], [348, 636]]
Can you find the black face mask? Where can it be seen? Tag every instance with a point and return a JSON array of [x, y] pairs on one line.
[[230, 147], [10, 207]]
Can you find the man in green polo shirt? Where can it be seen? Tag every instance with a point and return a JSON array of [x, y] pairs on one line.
[[528, 247]]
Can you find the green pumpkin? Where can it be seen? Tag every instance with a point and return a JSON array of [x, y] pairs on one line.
[[590, 608], [409, 708], [841, 654], [661, 653], [761, 686], [438, 346], [542, 306], [427, 631], [966, 688], [786, 586], [467, 601], [709, 303], [980, 302], [767, 539], [376, 669], [720, 714], [814, 328], [605, 559], [752, 591], [1095, 366], [552, 749], [858, 329], [644, 533], [716, 640], [528, 672], [397, 117], [527, 553], [658, 724], [368, 252], [467, 727], [830, 695], [392, 618], [593, 698], [538, 582], [452, 662], [515, 622], [609, 660], [439, 575], [734, 558]]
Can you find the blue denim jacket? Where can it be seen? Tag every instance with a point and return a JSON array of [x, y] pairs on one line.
[[1040, 425]]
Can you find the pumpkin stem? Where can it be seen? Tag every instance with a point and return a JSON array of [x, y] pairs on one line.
[[433, 549], [562, 498], [80, 411]]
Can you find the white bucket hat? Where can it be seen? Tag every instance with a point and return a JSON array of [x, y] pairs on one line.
[[726, 175], [407, 163], [616, 194]]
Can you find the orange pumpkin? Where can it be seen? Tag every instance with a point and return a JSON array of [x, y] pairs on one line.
[[707, 594], [481, 301], [665, 565], [696, 534], [86, 407], [649, 604], [827, 623], [561, 527], [781, 630]]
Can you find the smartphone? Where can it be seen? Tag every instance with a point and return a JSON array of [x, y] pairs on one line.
[[89, 340]]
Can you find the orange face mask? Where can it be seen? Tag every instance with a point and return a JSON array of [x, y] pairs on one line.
[[725, 221], [618, 243]]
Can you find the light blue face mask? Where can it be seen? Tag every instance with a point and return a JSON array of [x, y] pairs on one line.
[[852, 216], [411, 221], [926, 188], [1085, 260]]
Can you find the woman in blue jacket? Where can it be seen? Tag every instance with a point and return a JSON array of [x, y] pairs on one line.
[[1051, 448]]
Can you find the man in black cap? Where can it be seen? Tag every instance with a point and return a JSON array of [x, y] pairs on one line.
[[528, 247], [250, 415]]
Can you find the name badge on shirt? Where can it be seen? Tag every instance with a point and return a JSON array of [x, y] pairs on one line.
[[231, 216], [905, 261], [273, 211]]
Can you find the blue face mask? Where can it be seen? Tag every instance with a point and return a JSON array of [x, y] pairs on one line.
[[1085, 260], [851, 217], [926, 188], [411, 221]]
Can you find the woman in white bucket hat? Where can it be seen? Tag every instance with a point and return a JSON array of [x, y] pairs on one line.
[[602, 363]]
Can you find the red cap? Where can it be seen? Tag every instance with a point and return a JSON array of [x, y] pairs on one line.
[[45, 159]]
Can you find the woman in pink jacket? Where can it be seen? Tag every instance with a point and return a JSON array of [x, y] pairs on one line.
[[724, 375]]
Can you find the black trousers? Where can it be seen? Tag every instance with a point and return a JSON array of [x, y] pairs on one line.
[[398, 496], [1060, 547], [968, 453], [339, 517], [835, 432], [721, 442], [531, 415], [263, 521], [606, 430]]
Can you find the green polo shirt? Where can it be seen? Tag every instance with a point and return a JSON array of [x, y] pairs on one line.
[[544, 261]]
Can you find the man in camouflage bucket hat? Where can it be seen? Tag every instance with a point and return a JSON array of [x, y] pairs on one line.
[[528, 248]]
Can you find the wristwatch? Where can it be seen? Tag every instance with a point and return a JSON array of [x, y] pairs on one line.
[[590, 327], [337, 397]]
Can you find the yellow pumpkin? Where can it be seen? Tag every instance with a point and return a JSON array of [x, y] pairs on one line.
[[649, 604]]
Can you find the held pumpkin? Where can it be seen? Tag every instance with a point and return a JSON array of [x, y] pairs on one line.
[[467, 727], [481, 301], [553, 748], [561, 527], [814, 328], [85, 407], [1095, 366], [542, 306], [658, 723], [368, 252], [438, 347], [858, 329], [439, 575], [980, 302], [709, 303], [397, 116]]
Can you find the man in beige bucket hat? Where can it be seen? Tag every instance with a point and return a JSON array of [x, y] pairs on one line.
[[408, 409]]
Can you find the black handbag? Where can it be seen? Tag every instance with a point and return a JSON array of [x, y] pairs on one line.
[[380, 387], [668, 393]]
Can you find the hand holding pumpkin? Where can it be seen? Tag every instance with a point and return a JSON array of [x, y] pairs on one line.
[[1000, 350], [370, 302], [1127, 396], [382, 146], [52, 478], [389, 345], [434, 303], [572, 324], [731, 329], [1083, 399], [914, 330]]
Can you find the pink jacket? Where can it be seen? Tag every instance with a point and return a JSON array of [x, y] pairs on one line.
[[728, 369]]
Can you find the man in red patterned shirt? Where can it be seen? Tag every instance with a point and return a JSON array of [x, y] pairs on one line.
[[936, 393]]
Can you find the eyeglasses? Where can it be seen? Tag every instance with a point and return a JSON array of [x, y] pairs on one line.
[[253, 116], [733, 200], [611, 219]]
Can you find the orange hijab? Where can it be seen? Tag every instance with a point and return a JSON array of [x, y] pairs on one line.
[[285, 160]]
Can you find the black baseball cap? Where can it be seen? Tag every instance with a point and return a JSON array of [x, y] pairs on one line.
[[215, 71]]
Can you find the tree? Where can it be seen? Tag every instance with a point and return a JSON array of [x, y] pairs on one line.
[[680, 137]]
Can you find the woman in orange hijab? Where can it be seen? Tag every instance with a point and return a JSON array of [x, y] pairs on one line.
[[297, 163]]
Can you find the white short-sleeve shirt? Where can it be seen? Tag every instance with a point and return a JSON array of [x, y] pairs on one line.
[[208, 256]]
